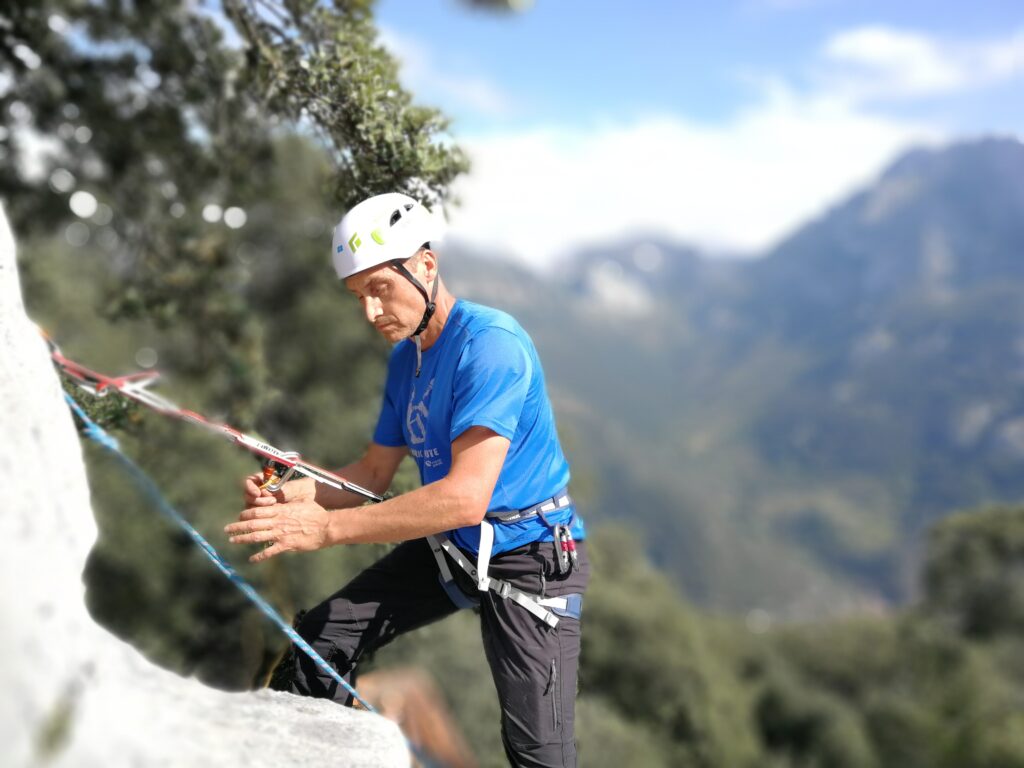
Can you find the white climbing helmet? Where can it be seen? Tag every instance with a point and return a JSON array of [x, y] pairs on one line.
[[383, 228]]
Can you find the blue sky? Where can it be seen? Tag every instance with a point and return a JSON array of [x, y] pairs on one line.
[[721, 124]]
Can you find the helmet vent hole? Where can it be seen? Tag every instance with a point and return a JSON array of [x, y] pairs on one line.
[[395, 217]]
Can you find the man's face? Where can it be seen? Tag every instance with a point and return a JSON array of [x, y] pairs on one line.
[[391, 303]]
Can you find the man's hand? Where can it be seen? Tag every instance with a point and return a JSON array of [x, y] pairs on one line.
[[294, 490], [296, 526]]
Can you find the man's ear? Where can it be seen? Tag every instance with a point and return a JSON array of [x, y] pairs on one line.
[[429, 261]]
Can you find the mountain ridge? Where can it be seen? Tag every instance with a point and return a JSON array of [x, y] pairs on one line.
[[782, 429]]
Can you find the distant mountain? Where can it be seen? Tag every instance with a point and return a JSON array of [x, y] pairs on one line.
[[782, 429]]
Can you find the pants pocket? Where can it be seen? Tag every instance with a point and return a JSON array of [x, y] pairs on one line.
[[532, 710], [552, 692]]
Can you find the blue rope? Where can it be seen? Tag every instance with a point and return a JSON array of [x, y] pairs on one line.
[[95, 432]]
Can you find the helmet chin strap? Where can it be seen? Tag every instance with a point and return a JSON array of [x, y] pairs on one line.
[[427, 313]]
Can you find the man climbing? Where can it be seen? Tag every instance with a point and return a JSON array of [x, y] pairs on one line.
[[492, 525]]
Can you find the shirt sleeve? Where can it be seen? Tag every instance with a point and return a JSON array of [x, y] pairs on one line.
[[491, 383]]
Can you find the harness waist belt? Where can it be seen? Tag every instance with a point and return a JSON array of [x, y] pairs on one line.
[[560, 500]]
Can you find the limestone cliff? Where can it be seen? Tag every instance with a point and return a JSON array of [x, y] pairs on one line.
[[71, 694]]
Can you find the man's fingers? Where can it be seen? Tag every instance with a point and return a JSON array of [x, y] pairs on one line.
[[255, 537], [254, 490], [250, 523], [259, 511], [268, 553]]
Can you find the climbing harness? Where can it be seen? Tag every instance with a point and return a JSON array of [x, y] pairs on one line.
[[96, 433], [547, 609], [278, 466]]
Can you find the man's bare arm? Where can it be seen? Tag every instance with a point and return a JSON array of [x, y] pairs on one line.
[[374, 471], [457, 500]]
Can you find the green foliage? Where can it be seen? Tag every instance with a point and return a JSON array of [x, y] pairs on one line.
[[112, 411], [974, 572], [810, 727], [893, 692], [167, 123], [609, 740], [653, 660], [323, 67], [143, 105]]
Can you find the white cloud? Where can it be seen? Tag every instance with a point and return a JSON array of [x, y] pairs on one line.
[[738, 186], [1006, 58], [424, 77], [882, 62], [609, 286]]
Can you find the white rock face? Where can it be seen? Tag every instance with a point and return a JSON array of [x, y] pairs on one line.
[[71, 694]]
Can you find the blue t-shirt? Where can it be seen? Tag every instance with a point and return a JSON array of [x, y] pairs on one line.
[[482, 370]]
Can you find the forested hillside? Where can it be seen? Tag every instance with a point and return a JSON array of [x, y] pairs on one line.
[[782, 430]]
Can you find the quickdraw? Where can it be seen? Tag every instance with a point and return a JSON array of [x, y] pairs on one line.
[[278, 466]]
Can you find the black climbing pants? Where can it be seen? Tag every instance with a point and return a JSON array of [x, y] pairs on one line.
[[534, 666]]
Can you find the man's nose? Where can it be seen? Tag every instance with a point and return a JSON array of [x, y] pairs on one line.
[[372, 308]]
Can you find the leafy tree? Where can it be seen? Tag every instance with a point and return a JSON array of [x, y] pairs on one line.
[[974, 572], [158, 120], [654, 660]]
